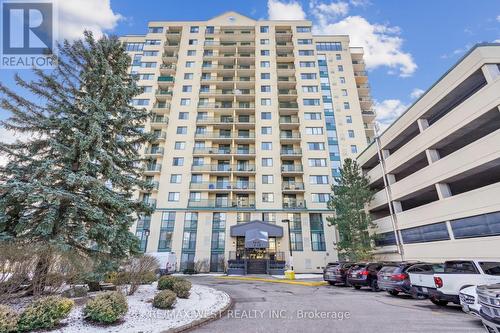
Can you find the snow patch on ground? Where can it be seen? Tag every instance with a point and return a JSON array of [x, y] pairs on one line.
[[301, 276], [143, 317]]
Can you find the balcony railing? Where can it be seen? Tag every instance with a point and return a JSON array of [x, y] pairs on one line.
[[289, 120], [217, 185], [169, 66], [159, 136], [292, 186], [166, 78], [224, 167], [217, 135], [152, 167], [289, 136], [159, 120], [296, 204], [250, 204], [154, 151], [360, 73], [292, 168], [150, 202], [293, 152], [154, 184], [236, 92], [164, 92], [283, 105], [287, 92]]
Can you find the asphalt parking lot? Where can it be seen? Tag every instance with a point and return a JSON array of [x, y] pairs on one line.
[[273, 307]]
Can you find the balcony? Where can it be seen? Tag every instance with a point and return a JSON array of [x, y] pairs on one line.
[[159, 136], [154, 151], [222, 45], [226, 136], [289, 122], [150, 202], [215, 120], [284, 57], [287, 92], [368, 115], [165, 81], [361, 77], [223, 186], [292, 187], [289, 137], [170, 45], [160, 108], [154, 184], [365, 102], [166, 69], [227, 204], [159, 120], [163, 94], [152, 168], [288, 107], [297, 152], [294, 204], [224, 168], [287, 169]]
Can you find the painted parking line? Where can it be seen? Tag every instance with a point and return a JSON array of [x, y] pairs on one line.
[[300, 283]]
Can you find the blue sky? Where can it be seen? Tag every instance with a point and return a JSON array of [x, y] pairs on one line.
[[409, 44]]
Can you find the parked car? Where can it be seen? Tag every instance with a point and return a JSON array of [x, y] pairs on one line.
[[420, 278], [489, 299], [337, 274], [469, 300], [394, 277], [364, 275], [444, 287]]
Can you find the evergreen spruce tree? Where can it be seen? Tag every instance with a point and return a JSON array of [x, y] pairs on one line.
[[70, 186], [348, 201]]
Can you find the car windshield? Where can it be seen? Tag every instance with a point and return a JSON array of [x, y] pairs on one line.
[[357, 267], [460, 267], [490, 268]]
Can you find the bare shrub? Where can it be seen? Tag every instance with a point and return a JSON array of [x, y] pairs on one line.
[[202, 266], [136, 271]]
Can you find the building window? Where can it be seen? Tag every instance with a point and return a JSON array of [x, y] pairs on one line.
[[181, 129], [385, 239], [320, 197], [265, 101], [134, 47], [264, 29], [344, 92], [314, 130], [189, 64], [296, 231], [350, 133], [303, 29], [354, 149], [426, 233], [265, 115], [317, 232], [187, 88], [188, 76], [194, 29], [173, 196], [148, 64], [310, 88], [268, 197], [191, 53], [265, 52], [183, 116], [140, 102], [307, 64], [195, 196], [189, 240], [347, 106], [306, 52], [311, 101], [266, 145], [476, 226], [166, 231], [178, 161], [185, 101], [175, 179], [265, 88], [267, 179], [180, 145], [316, 145], [329, 46], [340, 68], [265, 76], [348, 119], [193, 42], [267, 162], [308, 76], [217, 263], [304, 41], [265, 64], [318, 179], [338, 56], [269, 217], [342, 80], [209, 30], [312, 116], [317, 162], [152, 42], [264, 42], [266, 130]]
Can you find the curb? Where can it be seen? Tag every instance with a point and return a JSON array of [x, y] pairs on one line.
[[295, 282], [203, 321]]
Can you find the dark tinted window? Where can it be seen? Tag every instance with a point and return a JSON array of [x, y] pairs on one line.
[[477, 226], [426, 233], [385, 239], [460, 267], [490, 268], [389, 269]]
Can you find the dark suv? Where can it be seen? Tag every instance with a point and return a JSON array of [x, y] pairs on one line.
[[337, 274], [394, 277], [364, 275]]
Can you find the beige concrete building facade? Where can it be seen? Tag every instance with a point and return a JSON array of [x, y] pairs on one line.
[[441, 164], [252, 120]]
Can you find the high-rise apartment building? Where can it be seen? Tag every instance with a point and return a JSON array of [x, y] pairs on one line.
[[436, 169], [252, 120]]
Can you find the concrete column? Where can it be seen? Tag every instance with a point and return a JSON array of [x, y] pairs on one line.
[[450, 231], [432, 155], [385, 153], [443, 190], [422, 124], [397, 207], [491, 72]]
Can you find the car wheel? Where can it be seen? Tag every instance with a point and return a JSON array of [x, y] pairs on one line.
[[439, 302], [393, 292], [374, 286], [332, 283], [357, 287]]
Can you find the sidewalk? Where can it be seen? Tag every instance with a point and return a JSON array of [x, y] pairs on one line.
[[307, 280]]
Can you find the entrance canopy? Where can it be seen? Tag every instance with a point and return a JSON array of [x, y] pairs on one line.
[[272, 230], [256, 239]]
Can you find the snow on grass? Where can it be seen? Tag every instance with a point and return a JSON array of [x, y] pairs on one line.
[[143, 317]]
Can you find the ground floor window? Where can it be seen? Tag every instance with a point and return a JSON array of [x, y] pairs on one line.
[[317, 232], [217, 262], [187, 261]]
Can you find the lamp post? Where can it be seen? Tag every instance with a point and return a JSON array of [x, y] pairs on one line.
[[287, 221], [145, 235]]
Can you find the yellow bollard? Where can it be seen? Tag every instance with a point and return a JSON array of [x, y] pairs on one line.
[[289, 275]]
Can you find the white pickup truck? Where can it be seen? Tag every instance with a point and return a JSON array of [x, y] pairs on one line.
[[443, 286]]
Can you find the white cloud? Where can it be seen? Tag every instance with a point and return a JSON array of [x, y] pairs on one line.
[[381, 43], [8, 136], [75, 16], [323, 12], [285, 10], [416, 93], [387, 111], [360, 3], [498, 18]]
